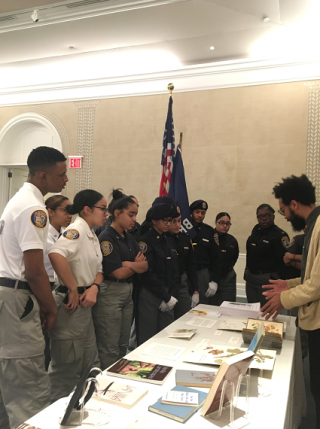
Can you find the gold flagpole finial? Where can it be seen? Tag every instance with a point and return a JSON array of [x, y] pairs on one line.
[[170, 88]]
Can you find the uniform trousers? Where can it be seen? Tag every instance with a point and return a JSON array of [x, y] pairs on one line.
[[184, 299], [72, 343], [227, 289], [254, 283], [203, 282], [24, 383], [112, 318], [151, 319]]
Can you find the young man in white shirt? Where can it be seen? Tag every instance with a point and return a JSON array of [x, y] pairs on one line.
[[25, 291]]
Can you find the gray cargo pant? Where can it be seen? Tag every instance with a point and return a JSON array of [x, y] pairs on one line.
[[227, 289], [24, 383], [72, 342], [112, 318]]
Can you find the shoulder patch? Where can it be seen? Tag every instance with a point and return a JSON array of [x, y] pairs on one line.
[[216, 238], [143, 246], [285, 241], [39, 219], [71, 234], [106, 248]]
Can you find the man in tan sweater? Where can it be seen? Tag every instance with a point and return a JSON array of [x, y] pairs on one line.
[[296, 197]]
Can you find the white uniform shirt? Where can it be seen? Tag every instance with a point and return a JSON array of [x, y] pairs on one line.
[[53, 236], [80, 246], [23, 226]]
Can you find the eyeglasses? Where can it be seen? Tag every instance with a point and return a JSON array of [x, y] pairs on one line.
[[63, 209], [221, 222], [266, 215], [167, 221], [103, 209], [281, 211]]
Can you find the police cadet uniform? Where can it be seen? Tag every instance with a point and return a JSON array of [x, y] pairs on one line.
[[53, 236], [265, 250], [73, 339], [112, 314], [24, 383], [187, 270], [207, 253], [227, 283], [160, 284]]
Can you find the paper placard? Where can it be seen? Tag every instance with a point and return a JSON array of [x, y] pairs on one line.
[[186, 398]]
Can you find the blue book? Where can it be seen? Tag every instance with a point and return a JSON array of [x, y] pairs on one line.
[[179, 413]]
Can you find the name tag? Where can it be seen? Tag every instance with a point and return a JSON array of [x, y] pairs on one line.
[[168, 257], [204, 239], [223, 250], [187, 248], [265, 241]]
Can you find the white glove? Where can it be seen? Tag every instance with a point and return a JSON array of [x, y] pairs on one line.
[[167, 306], [212, 289], [194, 300], [172, 302], [163, 307]]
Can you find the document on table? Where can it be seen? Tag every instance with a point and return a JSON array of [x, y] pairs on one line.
[[201, 322], [164, 351]]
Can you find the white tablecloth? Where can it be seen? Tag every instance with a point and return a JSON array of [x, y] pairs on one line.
[[283, 408]]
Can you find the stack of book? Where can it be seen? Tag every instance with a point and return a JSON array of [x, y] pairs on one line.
[[273, 333], [239, 309]]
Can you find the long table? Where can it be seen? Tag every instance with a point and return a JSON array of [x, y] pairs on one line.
[[283, 408]]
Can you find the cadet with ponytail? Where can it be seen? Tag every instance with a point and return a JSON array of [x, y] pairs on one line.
[[77, 261], [112, 315]]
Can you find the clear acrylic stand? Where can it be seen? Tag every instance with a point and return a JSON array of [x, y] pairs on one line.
[[263, 390], [233, 397], [91, 413]]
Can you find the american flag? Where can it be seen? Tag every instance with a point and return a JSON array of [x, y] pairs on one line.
[[167, 153]]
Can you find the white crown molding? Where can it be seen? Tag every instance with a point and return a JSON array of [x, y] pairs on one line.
[[57, 13], [190, 78]]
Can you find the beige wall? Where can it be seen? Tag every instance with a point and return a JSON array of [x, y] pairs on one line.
[[237, 143]]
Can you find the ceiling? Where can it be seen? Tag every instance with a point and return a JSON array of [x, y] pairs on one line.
[[183, 30]]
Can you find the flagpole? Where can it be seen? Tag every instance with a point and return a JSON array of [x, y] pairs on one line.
[[180, 142]]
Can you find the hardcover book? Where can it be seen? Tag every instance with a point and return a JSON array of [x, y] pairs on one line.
[[119, 394], [178, 412], [273, 333], [230, 370], [140, 371], [190, 378]]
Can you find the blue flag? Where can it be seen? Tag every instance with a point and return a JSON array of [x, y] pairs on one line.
[[178, 192]]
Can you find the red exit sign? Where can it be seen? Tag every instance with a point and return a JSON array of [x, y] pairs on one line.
[[75, 161]]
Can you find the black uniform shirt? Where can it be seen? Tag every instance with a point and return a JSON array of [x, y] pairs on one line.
[[206, 250], [229, 252], [186, 259], [162, 277], [265, 250], [116, 249]]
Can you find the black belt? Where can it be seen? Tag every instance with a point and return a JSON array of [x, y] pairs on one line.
[[113, 279], [12, 284], [202, 266], [64, 289]]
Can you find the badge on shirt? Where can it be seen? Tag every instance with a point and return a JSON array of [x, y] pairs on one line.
[[71, 234], [216, 238], [106, 248], [39, 219], [143, 246], [285, 241]]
